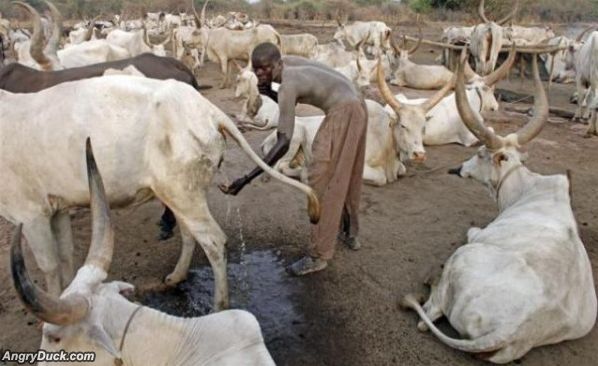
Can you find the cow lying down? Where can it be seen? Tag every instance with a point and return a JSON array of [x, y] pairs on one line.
[[93, 315], [525, 280]]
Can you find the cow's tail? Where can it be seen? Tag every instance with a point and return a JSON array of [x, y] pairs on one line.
[[313, 207], [485, 344]]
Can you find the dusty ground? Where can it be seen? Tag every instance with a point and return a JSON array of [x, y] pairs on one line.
[[348, 314]]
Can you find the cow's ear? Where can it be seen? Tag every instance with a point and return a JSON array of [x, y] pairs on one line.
[[498, 158]]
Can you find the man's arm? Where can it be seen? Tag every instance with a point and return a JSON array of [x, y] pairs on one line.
[[286, 125]]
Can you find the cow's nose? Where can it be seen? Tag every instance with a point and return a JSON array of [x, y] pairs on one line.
[[419, 157]]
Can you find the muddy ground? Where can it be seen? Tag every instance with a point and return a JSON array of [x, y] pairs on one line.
[[348, 314]]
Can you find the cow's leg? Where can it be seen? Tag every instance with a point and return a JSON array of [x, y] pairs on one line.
[[61, 226], [580, 99], [182, 267], [198, 225], [223, 69], [592, 124], [374, 176], [40, 238]]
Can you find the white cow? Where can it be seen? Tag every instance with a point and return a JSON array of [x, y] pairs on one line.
[[443, 122], [226, 45], [525, 280], [334, 55], [360, 72], [585, 59], [487, 39], [148, 143], [304, 44], [412, 75], [137, 42], [373, 33], [33, 54], [411, 118], [93, 316], [527, 36]]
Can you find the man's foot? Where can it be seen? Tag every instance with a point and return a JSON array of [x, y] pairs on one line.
[[351, 242], [307, 265]]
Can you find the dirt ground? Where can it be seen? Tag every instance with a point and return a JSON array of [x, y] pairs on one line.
[[347, 314]]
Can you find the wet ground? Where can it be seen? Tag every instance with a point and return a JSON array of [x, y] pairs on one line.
[[347, 315]]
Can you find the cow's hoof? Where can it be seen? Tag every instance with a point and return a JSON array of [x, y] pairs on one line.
[[165, 235]]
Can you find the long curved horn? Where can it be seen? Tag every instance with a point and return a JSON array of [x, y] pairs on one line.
[[510, 15], [358, 64], [146, 37], [168, 38], [67, 310], [102, 235], [583, 33], [92, 25], [385, 90], [54, 41], [393, 44], [439, 95], [37, 38], [196, 17], [541, 110], [503, 70], [419, 41], [482, 12], [202, 19], [470, 119], [469, 73]]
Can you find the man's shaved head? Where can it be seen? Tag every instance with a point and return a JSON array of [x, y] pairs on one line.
[[267, 63], [265, 53]]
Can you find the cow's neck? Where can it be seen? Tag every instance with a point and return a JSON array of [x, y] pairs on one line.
[[152, 337], [513, 186]]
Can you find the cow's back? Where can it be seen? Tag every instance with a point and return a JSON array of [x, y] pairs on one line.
[[43, 148]]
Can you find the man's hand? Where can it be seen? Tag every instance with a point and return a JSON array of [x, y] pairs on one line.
[[235, 187]]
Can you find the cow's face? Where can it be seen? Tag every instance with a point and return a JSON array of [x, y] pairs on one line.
[[408, 130], [339, 35], [571, 55], [246, 80], [92, 333], [488, 167], [486, 94]]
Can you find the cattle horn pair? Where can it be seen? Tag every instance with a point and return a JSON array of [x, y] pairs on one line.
[[474, 123], [150, 44], [482, 13], [413, 49], [74, 307], [37, 38], [92, 25], [396, 105]]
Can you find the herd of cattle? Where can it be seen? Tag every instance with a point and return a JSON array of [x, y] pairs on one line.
[[129, 87]]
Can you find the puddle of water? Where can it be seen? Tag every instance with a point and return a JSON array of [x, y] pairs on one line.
[[258, 283]]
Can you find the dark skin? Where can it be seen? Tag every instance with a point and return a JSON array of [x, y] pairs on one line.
[[302, 81]]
